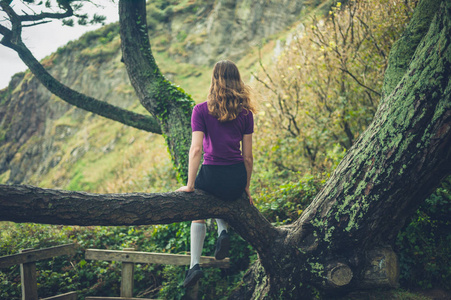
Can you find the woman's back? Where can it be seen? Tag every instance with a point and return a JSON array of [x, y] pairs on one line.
[[221, 141]]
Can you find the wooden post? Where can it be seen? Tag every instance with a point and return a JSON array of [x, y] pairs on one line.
[[128, 270], [28, 279]]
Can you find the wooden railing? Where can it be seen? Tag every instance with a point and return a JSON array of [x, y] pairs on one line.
[[128, 257], [27, 260]]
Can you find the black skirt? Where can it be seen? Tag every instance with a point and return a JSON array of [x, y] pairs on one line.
[[226, 182]]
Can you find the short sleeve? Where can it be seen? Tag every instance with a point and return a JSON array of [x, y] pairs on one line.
[[197, 120], [249, 124]]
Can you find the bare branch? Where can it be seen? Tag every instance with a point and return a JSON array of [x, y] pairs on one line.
[[263, 68], [80, 100], [361, 84], [16, 28], [46, 15], [37, 23], [264, 83]]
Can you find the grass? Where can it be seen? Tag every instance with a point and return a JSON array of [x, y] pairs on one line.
[[195, 80], [106, 156]]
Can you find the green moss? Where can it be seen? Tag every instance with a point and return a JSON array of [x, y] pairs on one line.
[[316, 268], [403, 50], [181, 35]]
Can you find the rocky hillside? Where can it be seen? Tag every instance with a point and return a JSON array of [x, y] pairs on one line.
[[203, 34], [46, 142]]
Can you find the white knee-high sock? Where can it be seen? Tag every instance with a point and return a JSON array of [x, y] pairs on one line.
[[222, 225], [198, 231]]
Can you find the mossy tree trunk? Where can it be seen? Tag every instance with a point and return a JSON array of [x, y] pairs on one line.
[[167, 102], [342, 240]]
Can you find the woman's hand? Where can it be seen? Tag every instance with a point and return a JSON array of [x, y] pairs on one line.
[[248, 193], [185, 189]]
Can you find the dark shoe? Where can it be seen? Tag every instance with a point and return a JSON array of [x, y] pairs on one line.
[[222, 246], [192, 276]]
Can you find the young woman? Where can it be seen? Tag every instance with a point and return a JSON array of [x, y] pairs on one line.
[[222, 127]]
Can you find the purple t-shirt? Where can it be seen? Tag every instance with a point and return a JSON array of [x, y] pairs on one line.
[[221, 140]]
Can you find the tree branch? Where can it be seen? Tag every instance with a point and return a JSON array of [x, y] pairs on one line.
[[82, 101], [4, 31], [45, 15], [37, 23], [16, 25], [169, 103], [12, 39], [21, 203], [358, 81]]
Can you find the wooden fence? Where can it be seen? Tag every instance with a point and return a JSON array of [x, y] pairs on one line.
[[129, 258], [27, 260]]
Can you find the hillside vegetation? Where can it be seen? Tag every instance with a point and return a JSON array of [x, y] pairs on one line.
[[317, 76]]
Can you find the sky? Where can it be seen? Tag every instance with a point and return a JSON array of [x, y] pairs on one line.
[[44, 39]]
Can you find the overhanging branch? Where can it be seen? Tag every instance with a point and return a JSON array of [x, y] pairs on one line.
[[12, 39], [37, 23], [101, 108]]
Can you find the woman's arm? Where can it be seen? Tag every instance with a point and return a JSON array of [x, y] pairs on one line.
[[195, 155], [248, 162]]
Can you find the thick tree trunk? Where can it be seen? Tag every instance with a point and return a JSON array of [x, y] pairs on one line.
[[342, 240], [391, 169], [169, 103]]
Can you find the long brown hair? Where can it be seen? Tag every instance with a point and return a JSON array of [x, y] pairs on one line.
[[228, 94]]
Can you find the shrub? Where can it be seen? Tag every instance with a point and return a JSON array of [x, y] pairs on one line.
[[424, 244]]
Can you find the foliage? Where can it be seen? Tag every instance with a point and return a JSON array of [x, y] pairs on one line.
[[424, 244], [286, 203], [323, 88], [216, 283], [92, 39], [59, 275], [101, 278]]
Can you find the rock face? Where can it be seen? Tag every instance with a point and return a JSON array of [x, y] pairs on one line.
[[31, 117], [229, 28], [34, 124]]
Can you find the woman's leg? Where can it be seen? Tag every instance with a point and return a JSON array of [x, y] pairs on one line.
[[198, 232], [222, 225], [223, 242]]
